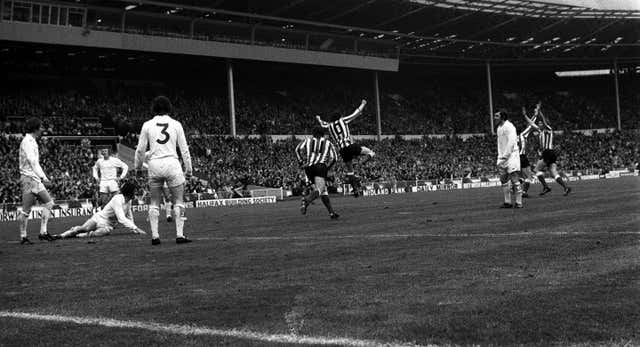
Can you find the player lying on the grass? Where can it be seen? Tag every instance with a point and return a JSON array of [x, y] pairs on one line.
[[341, 136], [32, 178], [525, 166], [105, 171], [548, 155], [118, 210], [316, 155], [508, 161]]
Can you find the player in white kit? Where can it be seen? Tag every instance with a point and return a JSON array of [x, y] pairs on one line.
[[105, 171], [32, 178], [118, 210], [508, 161], [162, 135]]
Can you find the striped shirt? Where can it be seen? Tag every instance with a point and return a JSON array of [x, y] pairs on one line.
[[545, 138], [523, 140], [314, 151], [339, 130]]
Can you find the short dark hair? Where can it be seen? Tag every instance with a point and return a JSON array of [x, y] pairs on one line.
[[128, 190], [502, 114], [318, 132], [161, 105], [32, 125]]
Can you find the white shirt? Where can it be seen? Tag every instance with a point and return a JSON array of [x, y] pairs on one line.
[[162, 135], [118, 209], [30, 158], [108, 169], [507, 140]]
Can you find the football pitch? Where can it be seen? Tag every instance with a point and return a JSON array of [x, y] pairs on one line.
[[438, 268]]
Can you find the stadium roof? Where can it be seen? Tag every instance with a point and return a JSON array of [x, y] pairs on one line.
[[502, 31]]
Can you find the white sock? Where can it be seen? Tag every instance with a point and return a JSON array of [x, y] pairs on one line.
[[46, 213], [517, 191], [177, 212], [23, 220], [506, 189], [154, 213]]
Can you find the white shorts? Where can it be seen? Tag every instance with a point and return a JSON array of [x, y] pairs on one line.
[[110, 186], [512, 164], [165, 170], [102, 223], [30, 185]]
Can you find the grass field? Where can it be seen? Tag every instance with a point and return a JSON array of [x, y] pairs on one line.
[[426, 268]]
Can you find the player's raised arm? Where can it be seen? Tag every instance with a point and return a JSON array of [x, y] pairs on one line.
[[184, 150], [544, 121], [531, 122], [355, 113], [322, 123], [143, 142]]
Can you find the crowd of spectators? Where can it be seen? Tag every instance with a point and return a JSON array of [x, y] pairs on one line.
[[222, 163], [270, 108]]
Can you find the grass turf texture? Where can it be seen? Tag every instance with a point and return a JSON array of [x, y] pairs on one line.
[[439, 268]]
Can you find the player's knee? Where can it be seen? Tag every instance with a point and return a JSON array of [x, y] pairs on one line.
[[24, 213], [154, 211], [556, 177], [48, 205], [540, 174]]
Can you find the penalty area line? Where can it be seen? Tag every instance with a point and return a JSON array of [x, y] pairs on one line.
[[191, 330]]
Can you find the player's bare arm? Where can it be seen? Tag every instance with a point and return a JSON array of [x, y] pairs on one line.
[[357, 112]]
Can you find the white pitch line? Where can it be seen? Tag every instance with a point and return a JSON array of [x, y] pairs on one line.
[[191, 330]]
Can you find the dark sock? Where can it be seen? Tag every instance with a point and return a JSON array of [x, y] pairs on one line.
[[312, 196], [561, 182], [544, 183], [525, 187], [327, 203]]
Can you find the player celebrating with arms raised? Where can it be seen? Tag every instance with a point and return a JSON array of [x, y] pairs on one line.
[[525, 166], [105, 171], [508, 160], [341, 136], [162, 134], [316, 155], [31, 180], [101, 223], [548, 155]]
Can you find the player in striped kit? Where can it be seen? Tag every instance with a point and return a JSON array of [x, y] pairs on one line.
[[341, 136], [163, 135], [548, 155], [316, 155], [105, 171], [525, 166], [32, 178]]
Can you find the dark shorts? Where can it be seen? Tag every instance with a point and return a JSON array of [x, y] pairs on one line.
[[549, 156], [350, 152], [524, 161], [317, 170]]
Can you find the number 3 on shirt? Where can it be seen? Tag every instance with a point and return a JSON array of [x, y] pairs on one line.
[[164, 132]]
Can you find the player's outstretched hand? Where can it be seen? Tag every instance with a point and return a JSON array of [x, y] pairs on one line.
[[46, 181], [364, 102], [188, 174], [139, 231]]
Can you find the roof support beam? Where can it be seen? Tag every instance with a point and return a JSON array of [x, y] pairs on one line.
[[397, 18], [351, 10], [490, 29]]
